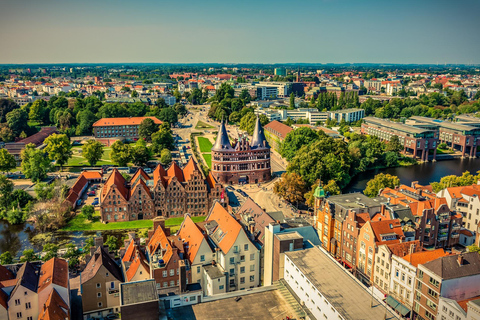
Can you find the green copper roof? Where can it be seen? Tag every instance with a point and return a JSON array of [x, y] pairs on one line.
[[319, 192]]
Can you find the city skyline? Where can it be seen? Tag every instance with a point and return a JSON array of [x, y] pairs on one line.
[[427, 32]]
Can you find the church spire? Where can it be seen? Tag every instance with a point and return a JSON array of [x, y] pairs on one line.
[[258, 138], [222, 142]]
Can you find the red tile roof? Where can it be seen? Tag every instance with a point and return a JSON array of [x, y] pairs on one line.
[[118, 180], [193, 237], [189, 169], [130, 121], [425, 256], [92, 175], [54, 309], [385, 227], [53, 271], [229, 226], [139, 260], [175, 171], [279, 129], [6, 274]]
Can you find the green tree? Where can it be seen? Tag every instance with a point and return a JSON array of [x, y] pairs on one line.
[[6, 192], [180, 109], [146, 128], [394, 144], [473, 248], [332, 188], [165, 157], [247, 122], [6, 134], [50, 250], [112, 243], [168, 115], [177, 95], [35, 165], [163, 139], [17, 120], [7, 161], [28, 255], [134, 94], [6, 105], [90, 242], [92, 151], [141, 153], [44, 191], [88, 211], [121, 153], [6, 258], [59, 148], [456, 181], [38, 110], [295, 140], [380, 181], [292, 100]]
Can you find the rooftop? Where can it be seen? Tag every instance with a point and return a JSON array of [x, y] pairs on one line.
[[127, 121], [138, 292], [356, 200], [342, 291], [213, 271], [395, 125], [449, 267]]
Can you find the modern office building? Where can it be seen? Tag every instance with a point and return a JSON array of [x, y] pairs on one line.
[[417, 141], [281, 71]]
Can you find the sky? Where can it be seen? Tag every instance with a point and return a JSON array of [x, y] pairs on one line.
[[242, 31]]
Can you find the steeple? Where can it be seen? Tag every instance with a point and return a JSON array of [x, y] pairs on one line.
[[319, 192], [222, 142], [258, 138]]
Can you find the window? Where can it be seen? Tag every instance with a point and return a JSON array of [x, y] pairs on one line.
[[17, 302], [19, 315], [252, 278], [99, 294], [165, 284], [232, 272], [100, 304], [434, 282], [242, 280], [252, 267], [198, 269], [245, 247], [99, 285], [428, 315], [252, 257], [172, 283], [432, 293], [420, 274], [164, 273], [28, 305], [242, 269], [202, 258], [431, 305], [232, 260], [220, 287], [29, 318], [172, 272], [106, 274]]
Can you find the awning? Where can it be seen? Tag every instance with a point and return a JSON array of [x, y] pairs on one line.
[[397, 306]]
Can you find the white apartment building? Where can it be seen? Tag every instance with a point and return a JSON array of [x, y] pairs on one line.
[[382, 269], [327, 290], [465, 200], [402, 281], [349, 115]]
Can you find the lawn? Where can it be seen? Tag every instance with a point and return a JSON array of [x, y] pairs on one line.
[[205, 144], [208, 159], [202, 126], [77, 160], [445, 151], [80, 223]]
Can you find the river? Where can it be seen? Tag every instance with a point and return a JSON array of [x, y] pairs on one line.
[[424, 173]]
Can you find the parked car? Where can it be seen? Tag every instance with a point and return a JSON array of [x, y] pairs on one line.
[[147, 170], [79, 202], [95, 202], [91, 193]]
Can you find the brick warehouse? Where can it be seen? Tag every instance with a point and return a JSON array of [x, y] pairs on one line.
[[171, 192], [244, 162]]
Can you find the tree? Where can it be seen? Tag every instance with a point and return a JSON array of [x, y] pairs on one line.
[[180, 109], [455, 181], [141, 153], [35, 165], [7, 161], [17, 120], [290, 187], [163, 139], [112, 243], [292, 100], [88, 211], [165, 157], [6, 192], [121, 153], [394, 144], [44, 191], [50, 250], [6, 134], [380, 181], [6, 105], [134, 94], [473, 248], [332, 188], [177, 95], [146, 128], [28, 255], [161, 103], [6, 258], [296, 139], [168, 115], [247, 122], [92, 151], [38, 110], [59, 148]]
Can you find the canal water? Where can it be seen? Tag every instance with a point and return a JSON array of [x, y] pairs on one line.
[[424, 173], [20, 237]]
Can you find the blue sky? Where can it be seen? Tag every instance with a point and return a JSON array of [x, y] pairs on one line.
[[245, 31]]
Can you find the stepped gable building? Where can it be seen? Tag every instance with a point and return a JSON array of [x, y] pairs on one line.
[[171, 192], [245, 161]]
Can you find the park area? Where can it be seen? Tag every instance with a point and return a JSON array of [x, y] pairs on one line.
[[81, 223], [203, 126], [205, 146], [77, 159]]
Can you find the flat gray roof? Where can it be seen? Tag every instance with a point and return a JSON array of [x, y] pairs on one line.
[[288, 235], [213, 271], [138, 292], [444, 124], [338, 286], [356, 200], [395, 125]]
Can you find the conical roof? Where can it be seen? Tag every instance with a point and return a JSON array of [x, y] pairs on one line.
[[222, 142], [319, 192], [258, 138]]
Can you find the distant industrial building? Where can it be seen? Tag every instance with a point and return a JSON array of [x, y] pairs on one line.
[[280, 71]]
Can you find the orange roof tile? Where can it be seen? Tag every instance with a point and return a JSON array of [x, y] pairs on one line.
[[138, 260], [192, 237], [158, 175], [140, 184], [129, 253], [127, 121], [5, 274], [278, 128], [175, 171], [8, 283], [403, 248], [384, 227], [92, 175], [189, 169], [211, 180], [118, 180], [139, 173], [425, 256], [463, 303], [228, 225], [55, 308], [53, 271], [466, 232]]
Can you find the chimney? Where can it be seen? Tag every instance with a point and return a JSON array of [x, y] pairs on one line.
[[131, 235], [98, 242], [92, 251], [412, 248], [182, 275], [150, 234], [460, 259], [158, 221]]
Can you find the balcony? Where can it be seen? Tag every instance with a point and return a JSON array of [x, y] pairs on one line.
[[442, 237], [443, 229], [455, 235], [456, 227]]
